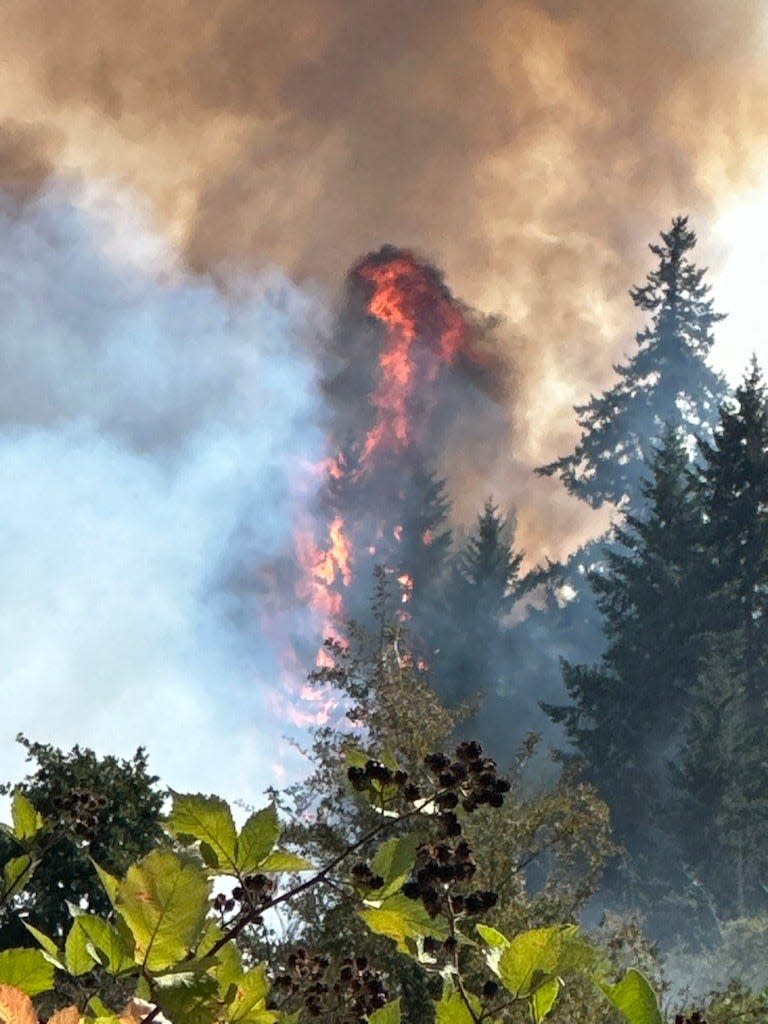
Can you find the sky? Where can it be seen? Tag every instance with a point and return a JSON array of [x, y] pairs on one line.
[[184, 186]]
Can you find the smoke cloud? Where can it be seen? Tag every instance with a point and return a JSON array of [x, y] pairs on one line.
[[154, 443], [531, 149]]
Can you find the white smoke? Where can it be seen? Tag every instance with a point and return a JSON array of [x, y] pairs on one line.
[[154, 435]]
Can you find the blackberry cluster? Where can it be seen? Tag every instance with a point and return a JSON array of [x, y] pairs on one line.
[[362, 779], [82, 808], [348, 995], [695, 1018], [255, 892], [470, 779], [438, 869]]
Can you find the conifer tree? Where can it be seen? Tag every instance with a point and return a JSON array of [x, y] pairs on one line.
[[726, 758], [481, 590], [626, 713], [667, 381]]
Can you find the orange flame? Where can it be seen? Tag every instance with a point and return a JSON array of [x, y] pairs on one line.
[[412, 302]]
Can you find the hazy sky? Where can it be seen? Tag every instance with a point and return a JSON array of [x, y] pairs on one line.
[[187, 183]]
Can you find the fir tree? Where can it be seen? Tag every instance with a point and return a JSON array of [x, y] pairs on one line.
[[726, 760], [481, 591], [626, 714], [667, 381]]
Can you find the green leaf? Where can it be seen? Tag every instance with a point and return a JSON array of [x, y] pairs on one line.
[[532, 958], [98, 1007], [49, 946], [76, 955], [27, 969], [259, 834], [544, 998], [26, 821], [635, 997], [497, 943], [453, 1010], [110, 883], [163, 900], [355, 757], [209, 819], [105, 944], [401, 919], [252, 989], [284, 860], [389, 1014], [394, 861], [188, 999], [14, 871], [493, 937]]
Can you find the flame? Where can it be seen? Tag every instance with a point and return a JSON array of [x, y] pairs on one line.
[[425, 332], [406, 585], [420, 317]]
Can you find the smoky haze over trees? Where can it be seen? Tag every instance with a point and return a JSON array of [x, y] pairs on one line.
[[642, 658]]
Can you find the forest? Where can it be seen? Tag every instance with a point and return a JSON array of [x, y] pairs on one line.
[[546, 797]]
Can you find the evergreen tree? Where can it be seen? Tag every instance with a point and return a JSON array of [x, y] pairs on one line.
[[667, 381], [489, 566], [626, 713], [726, 761], [480, 592]]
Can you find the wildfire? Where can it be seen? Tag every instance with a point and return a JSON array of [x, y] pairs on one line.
[[324, 569], [425, 332], [425, 329]]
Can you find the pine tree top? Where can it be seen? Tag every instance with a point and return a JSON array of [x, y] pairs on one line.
[[666, 381]]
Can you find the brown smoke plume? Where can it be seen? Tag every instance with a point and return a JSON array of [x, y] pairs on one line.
[[530, 148]]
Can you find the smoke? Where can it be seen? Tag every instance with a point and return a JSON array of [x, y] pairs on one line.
[[530, 148], [154, 438]]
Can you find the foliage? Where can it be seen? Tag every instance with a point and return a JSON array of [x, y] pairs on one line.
[[667, 383], [543, 852], [102, 809], [480, 591], [726, 759], [625, 719], [173, 943]]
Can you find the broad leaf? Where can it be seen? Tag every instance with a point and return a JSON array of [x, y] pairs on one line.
[[389, 1014], [394, 861], [164, 900], [69, 1015], [401, 919], [635, 998], [76, 954], [105, 944], [189, 1001], [27, 969], [284, 860], [110, 883], [453, 1010], [533, 958], [252, 989], [16, 870], [544, 998], [26, 821], [16, 1006], [497, 943], [46, 942], [209, 820], [257, 838]]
